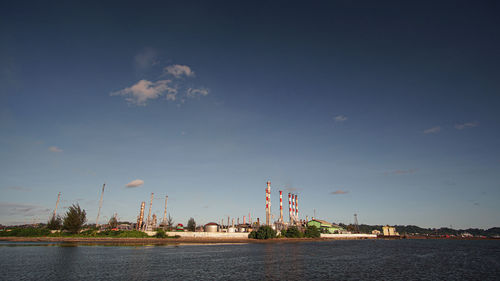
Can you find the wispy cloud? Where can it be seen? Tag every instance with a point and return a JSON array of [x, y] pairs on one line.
[[145, 90], [292, 189], [135, 183], [54, 149], [18, 188], [339, 192], [18, 209], [402, 172], [146, 58], [191, 92], [433, 130], [340, 118], [466, 125], [178, 70]]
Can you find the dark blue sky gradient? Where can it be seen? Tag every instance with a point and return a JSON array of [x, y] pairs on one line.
[[278, 74]]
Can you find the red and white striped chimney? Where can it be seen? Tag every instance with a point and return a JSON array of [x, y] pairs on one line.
[[281, 206], [296, 208], [290, 207], [268, 203]]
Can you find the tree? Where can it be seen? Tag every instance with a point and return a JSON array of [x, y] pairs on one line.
[[191, 226], [113, 222], [54, 223], [293, 232], [264, 232], [312, 232], [74, 219]]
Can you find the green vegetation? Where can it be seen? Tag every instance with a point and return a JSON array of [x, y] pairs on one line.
[[293, 232], [264, 232], [312, 232], [74, 219], [191, 226], [54, 223], [160, 233], [25, 232]]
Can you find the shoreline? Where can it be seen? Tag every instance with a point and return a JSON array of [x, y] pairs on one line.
[[198, 240], [114, 240]]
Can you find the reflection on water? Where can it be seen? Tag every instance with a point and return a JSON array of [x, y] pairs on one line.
[[345, 260]]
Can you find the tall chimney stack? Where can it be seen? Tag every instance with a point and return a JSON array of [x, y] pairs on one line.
[[165, 212], [148, 223], [268, 203], [141, 217], [296, 208], [281, 206]]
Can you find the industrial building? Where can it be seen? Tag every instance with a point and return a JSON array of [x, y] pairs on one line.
[[389, 231], [211, 227], [325, 227]]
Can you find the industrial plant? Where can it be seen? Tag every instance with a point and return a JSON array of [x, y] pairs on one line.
[[227, 227], [246, 225]]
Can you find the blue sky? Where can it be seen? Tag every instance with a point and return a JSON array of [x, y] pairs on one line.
[[387, 110]]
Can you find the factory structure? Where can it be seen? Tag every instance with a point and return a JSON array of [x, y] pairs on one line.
[[246, 224]]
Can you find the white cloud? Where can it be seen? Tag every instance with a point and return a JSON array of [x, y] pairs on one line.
[[466, 125], [191, 93], [178, 70], [54, 149], [340, 118], [146, 58], [135, 183], [145, 90], [433, 130]]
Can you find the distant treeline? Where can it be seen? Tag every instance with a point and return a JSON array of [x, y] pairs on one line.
[[416, 230]]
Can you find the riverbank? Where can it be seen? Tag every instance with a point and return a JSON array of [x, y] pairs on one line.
[[181, 240]]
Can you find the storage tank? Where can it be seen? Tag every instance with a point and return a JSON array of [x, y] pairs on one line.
[[231, 229], [211, 227]]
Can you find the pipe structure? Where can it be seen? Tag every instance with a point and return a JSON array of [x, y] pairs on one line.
[[281, 206], [164, 222], [149, 213], [243, 219], [290, 207], [141, 216], [57, 203], [100, 206], [293, 208]]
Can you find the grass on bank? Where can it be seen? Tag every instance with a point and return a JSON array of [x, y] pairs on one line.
[[45, 232]]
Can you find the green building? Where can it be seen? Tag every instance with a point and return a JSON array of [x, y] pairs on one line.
[[325, 227]]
